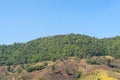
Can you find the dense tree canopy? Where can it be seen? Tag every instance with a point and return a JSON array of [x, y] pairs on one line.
[[57, 48]]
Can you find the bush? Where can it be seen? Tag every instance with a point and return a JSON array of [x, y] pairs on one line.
[[68, 73], [79, 75], [53, 67], [29, 69], [99, 60], [93, 61], [35, 68]]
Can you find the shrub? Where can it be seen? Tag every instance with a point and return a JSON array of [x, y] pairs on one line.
[[79, 75], [35, 68], [68, 73], [53, 67]]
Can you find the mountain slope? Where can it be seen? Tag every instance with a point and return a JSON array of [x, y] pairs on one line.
[[59, 47]]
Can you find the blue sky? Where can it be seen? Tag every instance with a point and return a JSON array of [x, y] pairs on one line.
[[25, 20]]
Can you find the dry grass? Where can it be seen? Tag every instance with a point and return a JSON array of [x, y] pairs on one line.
[[99, 75]]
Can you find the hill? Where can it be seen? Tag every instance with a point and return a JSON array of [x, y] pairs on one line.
[[59, 47]]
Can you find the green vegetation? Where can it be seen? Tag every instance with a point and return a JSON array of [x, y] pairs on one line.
[[53, 68], [35, 68], [59, 47], [99, 61], [79, 75]]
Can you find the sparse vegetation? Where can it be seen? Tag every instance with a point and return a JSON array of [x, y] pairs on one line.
[[42, 78]]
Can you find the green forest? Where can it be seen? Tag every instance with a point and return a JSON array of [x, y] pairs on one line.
[[59, 47]]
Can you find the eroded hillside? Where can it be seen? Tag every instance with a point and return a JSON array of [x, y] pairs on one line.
[[70, 69]]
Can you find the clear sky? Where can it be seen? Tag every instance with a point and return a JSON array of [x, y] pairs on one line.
[[25, 20]]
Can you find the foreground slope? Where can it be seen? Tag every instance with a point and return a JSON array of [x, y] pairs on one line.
[[70, 69]]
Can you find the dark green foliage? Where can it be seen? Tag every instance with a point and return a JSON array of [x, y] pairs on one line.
[[29, 69], [99, 79], [8, 68], [97, 61], [53, 67], [79, 75], [59, 47], [113, 63], [35, 68]]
